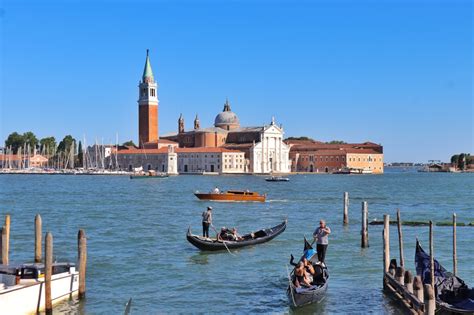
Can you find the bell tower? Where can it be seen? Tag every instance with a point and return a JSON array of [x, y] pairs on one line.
[[147, 106]]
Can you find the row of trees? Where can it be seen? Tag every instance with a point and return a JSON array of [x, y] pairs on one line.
[[28, 143], [462, 161]]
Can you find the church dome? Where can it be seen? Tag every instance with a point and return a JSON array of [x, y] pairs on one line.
[[227, 119]]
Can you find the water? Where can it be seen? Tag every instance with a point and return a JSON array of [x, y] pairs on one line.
[[137, 245]]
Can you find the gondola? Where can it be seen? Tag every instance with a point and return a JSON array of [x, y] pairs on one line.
[[314, 294], [258, 237], [452, 294]]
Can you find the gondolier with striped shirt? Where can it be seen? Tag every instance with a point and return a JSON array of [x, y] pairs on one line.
[[206, 221], [321, 237]]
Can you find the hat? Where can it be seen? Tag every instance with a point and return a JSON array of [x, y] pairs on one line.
[[209, 208]]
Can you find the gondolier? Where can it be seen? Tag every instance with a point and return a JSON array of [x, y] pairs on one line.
[[321, 237], [206, 221]]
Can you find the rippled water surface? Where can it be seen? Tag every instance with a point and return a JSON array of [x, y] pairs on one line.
[[137, 245]]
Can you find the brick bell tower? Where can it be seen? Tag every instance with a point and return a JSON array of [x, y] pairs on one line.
[[147, 106]]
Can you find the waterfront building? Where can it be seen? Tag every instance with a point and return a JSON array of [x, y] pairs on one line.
[[318, 157], [211, 160], [163, 159]]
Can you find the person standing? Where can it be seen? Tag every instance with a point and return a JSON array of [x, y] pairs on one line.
[[206, 221], [321, 237]]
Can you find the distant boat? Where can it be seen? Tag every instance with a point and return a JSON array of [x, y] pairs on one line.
[[258, 237], [361, 171], [343, 170], [148, 175], [277, 179], [232, 195]]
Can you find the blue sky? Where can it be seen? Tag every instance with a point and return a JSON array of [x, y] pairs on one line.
[[397, 73]]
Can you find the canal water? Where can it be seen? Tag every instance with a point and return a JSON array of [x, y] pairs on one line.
[[137, 244]]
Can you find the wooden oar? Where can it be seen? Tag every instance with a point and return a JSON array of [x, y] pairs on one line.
[[223, 241]]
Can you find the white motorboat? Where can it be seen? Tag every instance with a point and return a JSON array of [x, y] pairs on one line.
[[22, 287]]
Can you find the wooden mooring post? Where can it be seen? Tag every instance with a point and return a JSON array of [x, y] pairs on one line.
[[408, 281], [365, 226], [7, 227], [418, 288], [4, 246], [430, 301], [38, 238], [431, 256], [400, 239], [82, 251], [48, 270], [455, 258], [346, 208], [386, 242]]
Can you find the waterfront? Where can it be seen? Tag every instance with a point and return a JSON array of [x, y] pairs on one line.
[[137, 245]]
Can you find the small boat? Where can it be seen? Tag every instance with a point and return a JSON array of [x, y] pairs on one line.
[[22, 286], [254, 238], [317, 292], [277, 179], [149, 174], [343, 170], [232, 195], [452, 293]]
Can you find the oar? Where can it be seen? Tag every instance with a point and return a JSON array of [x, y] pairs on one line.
[[223, 241], [128, 306]]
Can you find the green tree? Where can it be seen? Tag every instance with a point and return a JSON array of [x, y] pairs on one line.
[[80, 156], [336, 142], [15, 141], [455, 159], [462, 161], [48, 143], [299, 138], [30, 139], [129, 143], [65, 144]]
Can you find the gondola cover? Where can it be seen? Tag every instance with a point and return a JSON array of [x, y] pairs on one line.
[[452, 293]]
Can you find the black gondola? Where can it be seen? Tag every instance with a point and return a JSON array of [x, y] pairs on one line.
[[258, 237], [314, 294], [452, 293]]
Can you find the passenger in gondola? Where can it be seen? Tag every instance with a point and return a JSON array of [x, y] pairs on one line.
[[301, 278], [236, 236], [223, 235]]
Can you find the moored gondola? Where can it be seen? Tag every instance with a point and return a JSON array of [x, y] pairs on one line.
[[452, 294], [300, 296], [254, 238]]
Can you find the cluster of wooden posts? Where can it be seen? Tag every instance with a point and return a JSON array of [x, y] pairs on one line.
[[398, 282], [48, 253]]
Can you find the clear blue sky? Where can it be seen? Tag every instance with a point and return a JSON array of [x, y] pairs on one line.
[[392, 72]]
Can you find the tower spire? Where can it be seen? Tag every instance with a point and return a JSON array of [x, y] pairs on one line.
[[147, 72]]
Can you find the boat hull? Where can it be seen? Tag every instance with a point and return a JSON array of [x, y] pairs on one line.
[[147, 176], [30, 298], [213, 245], [229, 197], [307, 297]]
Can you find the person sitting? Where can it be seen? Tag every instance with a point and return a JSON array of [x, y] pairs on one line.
[[301, 279], [216, 191], [223, 234], [236, 236]]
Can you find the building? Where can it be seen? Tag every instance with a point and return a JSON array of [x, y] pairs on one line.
[[318, 157], [211, 160], [263, 146], [161, 160]]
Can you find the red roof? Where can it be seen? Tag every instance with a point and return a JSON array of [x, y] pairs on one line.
[[204, 150]]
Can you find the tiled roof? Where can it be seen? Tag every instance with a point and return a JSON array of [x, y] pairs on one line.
[[204, 150]]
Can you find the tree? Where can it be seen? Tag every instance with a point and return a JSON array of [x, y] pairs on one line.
[[462, 161], [15, 141], [66, 143], [336, 142], [30, 139], [129, 143], [80, 155], [455, 159], [49, 144], [299, 138]]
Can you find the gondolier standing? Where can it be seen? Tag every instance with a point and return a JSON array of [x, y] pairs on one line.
[[321, 237], [206, 221]]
